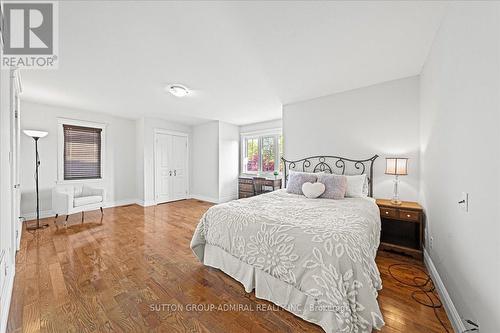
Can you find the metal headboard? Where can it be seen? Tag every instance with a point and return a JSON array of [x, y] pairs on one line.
[[332, 164]]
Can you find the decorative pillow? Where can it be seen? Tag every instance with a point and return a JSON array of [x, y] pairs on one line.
[[365, 187], [356, 186], [313, 190], [335, 185], [297, 179]]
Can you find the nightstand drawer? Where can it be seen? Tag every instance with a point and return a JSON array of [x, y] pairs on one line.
[[409, 215], [388, 212]]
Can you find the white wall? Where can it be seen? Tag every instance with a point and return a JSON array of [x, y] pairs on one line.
[[215, 155], [229, 143], [262, 126], [381, 119], [129, 161], [205, 157], [145, 130], [139, 155], [460, 137], [119, 159]]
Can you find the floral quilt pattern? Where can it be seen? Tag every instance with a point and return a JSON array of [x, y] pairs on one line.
[[325, 248]]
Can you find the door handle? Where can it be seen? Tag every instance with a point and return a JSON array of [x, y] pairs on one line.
[[175, 172], [17, 186], [170, 173]]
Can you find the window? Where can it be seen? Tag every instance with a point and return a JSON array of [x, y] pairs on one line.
[[80, 150], [262, 152], [252, 155]]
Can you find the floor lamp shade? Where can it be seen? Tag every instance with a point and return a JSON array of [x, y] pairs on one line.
[[35, 133]]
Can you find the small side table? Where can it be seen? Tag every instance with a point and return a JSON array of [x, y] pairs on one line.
[[402, 227]]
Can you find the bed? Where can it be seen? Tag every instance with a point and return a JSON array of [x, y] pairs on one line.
[[313, 257]]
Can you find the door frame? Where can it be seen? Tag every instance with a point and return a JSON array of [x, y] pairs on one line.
[[17, 90], [176, 133]]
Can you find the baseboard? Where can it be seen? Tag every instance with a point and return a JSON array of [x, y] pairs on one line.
[[19, 234], [119, 203], [50, 213], [146, 203], [204, 198], [5, 307], [451, 310]]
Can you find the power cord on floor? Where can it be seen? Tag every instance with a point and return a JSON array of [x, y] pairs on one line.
[[425, 287], [475, 327], [32, 232]]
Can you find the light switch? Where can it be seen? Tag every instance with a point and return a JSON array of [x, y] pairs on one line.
[[464, 201]]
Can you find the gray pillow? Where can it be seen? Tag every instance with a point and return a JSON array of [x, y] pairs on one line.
[[297, 179], [335, 185]]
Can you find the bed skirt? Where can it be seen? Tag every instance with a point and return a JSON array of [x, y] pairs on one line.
[[269, 288]]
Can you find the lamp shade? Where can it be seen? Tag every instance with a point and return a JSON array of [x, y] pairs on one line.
[[35, 133], [396, 166]]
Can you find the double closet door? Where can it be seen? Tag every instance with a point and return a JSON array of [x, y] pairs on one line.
[[170, 167]]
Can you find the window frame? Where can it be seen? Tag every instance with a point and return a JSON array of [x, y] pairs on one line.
[[60, 149], [276, 133]]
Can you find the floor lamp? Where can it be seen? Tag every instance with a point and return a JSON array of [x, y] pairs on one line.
[[36, 135]]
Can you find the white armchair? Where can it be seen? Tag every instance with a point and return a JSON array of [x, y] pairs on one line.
[[67, 200]]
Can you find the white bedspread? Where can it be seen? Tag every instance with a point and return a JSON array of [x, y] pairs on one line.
[[322, 249]]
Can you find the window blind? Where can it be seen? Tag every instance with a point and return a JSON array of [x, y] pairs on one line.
[[82, 152]]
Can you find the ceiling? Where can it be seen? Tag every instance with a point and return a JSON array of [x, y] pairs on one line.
[[243, 60]]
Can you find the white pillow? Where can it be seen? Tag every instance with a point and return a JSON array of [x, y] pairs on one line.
[[356, 186], [313, 190]]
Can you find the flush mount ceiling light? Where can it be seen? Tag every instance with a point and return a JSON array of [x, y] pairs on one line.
[[177, 90]]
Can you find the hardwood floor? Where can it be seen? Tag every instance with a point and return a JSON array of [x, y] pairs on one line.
[[108, 277]]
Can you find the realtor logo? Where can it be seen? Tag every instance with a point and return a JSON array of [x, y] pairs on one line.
[[29, 34]]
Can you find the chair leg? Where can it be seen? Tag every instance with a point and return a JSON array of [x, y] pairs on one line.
[[55, 221], [66, 221], [82, 216], [102, 212]]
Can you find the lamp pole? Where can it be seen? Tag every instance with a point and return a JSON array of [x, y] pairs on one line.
[[37, 165]]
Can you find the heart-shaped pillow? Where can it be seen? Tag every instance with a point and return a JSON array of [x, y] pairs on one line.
[[313, 190]]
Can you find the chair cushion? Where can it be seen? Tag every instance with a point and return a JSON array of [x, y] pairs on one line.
[[84, 201]]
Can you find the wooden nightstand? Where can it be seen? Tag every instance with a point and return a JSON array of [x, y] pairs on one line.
[[402, 227]]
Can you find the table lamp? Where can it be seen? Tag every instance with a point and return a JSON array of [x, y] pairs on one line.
[[397, 166]]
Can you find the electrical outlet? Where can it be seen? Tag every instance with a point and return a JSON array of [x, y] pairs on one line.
[[431, 242]]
